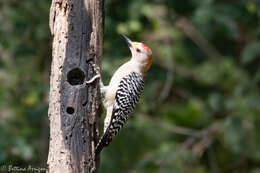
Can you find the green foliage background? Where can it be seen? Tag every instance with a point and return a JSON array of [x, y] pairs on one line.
[[200, 112]]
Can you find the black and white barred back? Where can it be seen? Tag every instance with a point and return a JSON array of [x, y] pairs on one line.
[[128, 93]]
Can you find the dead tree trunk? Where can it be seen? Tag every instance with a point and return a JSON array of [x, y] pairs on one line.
[[77, 29]]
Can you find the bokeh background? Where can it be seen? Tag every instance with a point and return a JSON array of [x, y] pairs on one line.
[[200, 111]]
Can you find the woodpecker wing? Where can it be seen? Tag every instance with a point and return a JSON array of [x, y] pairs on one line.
[[128, 93]]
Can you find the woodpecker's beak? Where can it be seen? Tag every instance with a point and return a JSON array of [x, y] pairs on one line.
[[128, 41]]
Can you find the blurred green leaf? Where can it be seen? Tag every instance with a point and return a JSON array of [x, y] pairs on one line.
[[250, 52]]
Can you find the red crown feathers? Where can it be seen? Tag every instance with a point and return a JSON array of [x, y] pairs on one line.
[[146, 47]]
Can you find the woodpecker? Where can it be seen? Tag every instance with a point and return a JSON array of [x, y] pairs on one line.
[[124, 90]]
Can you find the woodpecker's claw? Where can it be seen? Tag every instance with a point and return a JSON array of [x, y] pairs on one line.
[[97, 71], [93, 79]]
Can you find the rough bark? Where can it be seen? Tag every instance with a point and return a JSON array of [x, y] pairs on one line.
[[77, 29]]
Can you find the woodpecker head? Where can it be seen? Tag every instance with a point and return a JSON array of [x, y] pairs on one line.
[[140, 53]]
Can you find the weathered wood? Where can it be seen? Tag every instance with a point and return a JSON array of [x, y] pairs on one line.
[[77, 29]]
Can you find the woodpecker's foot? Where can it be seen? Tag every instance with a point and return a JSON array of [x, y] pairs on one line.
[[97, 71], [92, 79]]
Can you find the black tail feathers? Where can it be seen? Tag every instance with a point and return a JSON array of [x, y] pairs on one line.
[[103, 142]]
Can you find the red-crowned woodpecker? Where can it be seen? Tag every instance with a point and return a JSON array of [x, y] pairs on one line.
[[123, 91]]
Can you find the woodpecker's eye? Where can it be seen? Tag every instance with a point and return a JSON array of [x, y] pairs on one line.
[[138, 50]]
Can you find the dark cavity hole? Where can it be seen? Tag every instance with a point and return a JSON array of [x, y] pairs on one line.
[[70, 110], [76, 76]]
